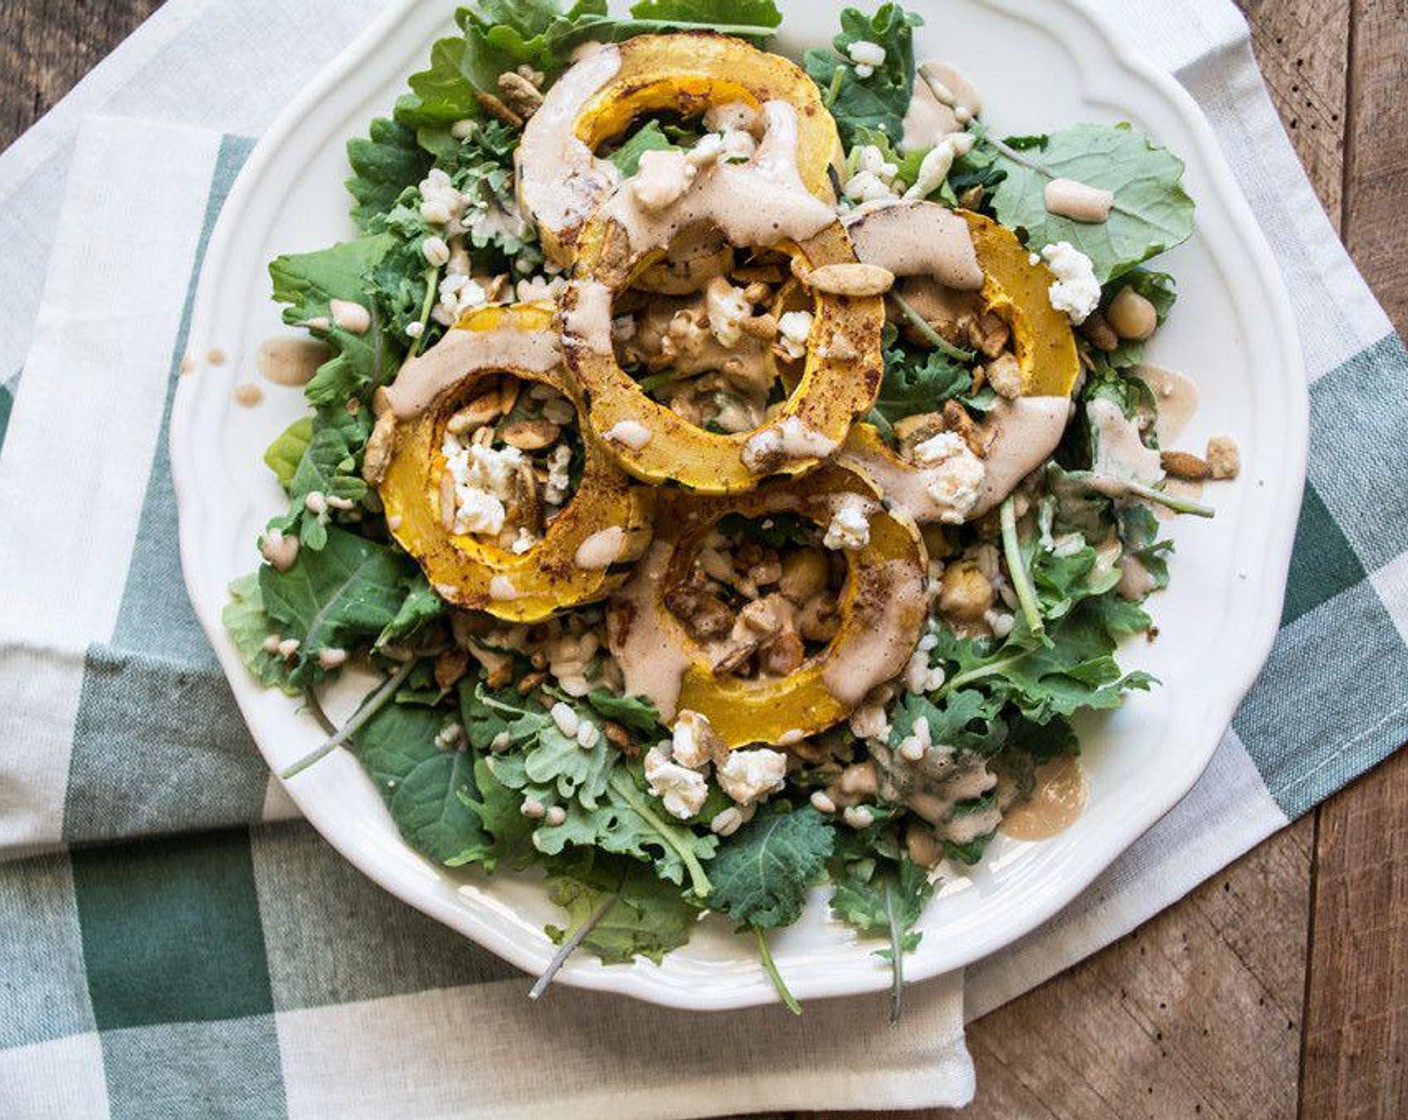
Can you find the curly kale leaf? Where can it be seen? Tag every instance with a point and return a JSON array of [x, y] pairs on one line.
[[249, 626], [629, 822], [632, 912], [429, 790], [878, 102], [341, 596], [762, 873]]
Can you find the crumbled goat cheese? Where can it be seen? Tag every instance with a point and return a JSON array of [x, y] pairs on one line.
[[484, 480], [681, 789], [1076, 291], [850, 524], [627, 433], [793, 330], [953, 475], [695, 744], [749, 776], [559, 477], [727, 310]]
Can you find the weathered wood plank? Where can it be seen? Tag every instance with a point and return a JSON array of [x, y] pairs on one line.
[[1303, 49], [45, 47], [1356, 1044], [1356, 1036], [1195, 1014]]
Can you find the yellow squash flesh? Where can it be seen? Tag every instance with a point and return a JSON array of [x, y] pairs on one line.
[[688, 72], [779, 710], [1018, 290], [463, 568]]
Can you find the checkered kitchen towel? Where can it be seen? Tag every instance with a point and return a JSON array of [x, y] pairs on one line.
[[172, 944]]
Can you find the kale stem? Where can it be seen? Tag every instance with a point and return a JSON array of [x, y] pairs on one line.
[[431, 275], [570, 946], [896, 957], [928, 333], [1178, 505], [770, 966], [834, 89], [988, 670], [698, 880], [370, 706], [1017, 567]]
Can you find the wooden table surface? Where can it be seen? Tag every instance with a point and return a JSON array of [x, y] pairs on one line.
[[1280, 987]]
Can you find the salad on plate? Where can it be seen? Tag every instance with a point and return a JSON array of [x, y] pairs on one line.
[[738, 471]]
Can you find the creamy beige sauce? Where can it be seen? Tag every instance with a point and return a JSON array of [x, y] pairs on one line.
[[757, 203], [1136, 580], [290, 361], [1070, 198], [888, 606], [907, 487], [586, 315], [188, 364], [600, 550], [784, 441], [247, 394], [915, 238], [1119, 452], [652, 658], [1025, 432], [928, 120], [215, 357], [351, 317], [463, 352], [951, 87], [1055, 804], [561, 182], [1177, 396]]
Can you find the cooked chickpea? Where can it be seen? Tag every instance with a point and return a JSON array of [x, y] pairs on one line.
[[1131, 315], [965, 594]]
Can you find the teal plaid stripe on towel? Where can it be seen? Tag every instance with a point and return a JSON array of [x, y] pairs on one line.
[[174, 943]]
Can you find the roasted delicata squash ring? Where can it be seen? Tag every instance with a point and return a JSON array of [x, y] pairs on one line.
[[882, 605], [839, 379], [684, 73], [608, 518], [1018, 290]]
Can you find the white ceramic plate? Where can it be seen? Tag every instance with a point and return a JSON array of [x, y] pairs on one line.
[[1042, 64]]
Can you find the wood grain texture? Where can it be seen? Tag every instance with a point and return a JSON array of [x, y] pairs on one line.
[[1303, 50], [1199, 1012], [46, 46]]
